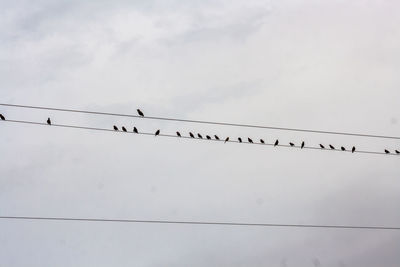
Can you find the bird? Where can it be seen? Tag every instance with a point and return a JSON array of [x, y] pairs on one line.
[[321, 146], [123, 129], [397, 152], [48, 121], [262, 141], [343, 148], [387, 151], [276, 142], [191, 134], [249, 139], [157, 132], [332, 147], [302, 145], [115, 128], [2, 117], [353, 149], [140, 112], [291, 144], [135, 130], [216, 137], [178, 134], [199, 135], [226, 139], [240, 139], [208, 137]]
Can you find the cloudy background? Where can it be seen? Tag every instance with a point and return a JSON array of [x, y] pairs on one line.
[[330, 65]]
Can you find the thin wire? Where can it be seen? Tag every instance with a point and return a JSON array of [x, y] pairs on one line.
[[199, 223], [203, 122], [188, 137]]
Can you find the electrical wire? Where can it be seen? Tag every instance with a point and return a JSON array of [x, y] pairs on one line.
[[204, 122]]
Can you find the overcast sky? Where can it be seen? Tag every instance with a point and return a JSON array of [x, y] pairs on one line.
[[328, 65]]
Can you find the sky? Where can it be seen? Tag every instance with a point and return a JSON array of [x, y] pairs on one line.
[[326, 65]]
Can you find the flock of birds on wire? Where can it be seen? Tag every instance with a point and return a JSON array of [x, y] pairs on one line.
[[249, 140]]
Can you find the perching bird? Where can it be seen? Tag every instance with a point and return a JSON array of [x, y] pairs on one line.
[[262, 141], [342, 148], [387, 151], [397, 152], [353, 149], [208, 137], [178, 134], [226, 139], [123, 129], [240, 139], [191, 134], [216, 137], [48, 121], [332, 147], [199, 135], [321, 146], [2, 117], [302, 145], [115, 128], [157, 133], [276, 142], [140, 112], [135, 130], [249, 139], [291, 144]]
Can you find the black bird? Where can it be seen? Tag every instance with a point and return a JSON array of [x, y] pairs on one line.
[[48, 121], [262, 141], [191, 134], [140, 112], [249, 139], [321, 146], [387, 151], [135, 130], [123, 129], [2, 117], [332, 147], [353, 149], [115, 128], [216, 137], [226, 139], [302, 145], [157, 133], [342, 148], [240, 139], [397, 152], [178, 134], [291, 144], [276, 142], [199, 135], [208, 137]]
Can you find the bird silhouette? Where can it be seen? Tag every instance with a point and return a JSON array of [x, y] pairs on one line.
[[199, 135], [240, 139], [48, 121], [302, 145], [140, 112], [262, 141], [178, 134], [276, 142], [332, 147], [353, 149], [397, 152], [216, 137], [226, 139], [343, 148], [387, 151], [123, 129], [157, 132], [208, 137], [249, 139], [291, 144], [135, 130], [2, 117], [321, 146], [115, 128], [191, 134]]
